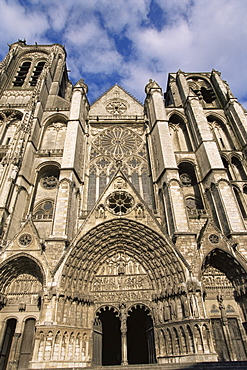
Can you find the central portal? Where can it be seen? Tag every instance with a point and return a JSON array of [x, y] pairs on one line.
[[110, 346]]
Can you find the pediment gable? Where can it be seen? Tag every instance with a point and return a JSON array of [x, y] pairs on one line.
[[26, 239], [116, 103], [119, 200], [211, 237]]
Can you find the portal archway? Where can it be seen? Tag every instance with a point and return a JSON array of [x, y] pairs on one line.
[[140, 336], [107, 338], [223, 277]]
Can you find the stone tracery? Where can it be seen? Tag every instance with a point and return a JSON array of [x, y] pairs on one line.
[[117, 142]]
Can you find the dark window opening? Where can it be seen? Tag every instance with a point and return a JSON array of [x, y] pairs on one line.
[[222, 143], [36, 73], [226, 165], [22, 74], [240, 203], [62, 87], [27, 344], [208, 95]]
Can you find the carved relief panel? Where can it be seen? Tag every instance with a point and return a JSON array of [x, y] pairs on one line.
[[121, 279], [23, 290]]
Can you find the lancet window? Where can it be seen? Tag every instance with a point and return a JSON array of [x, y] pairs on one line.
[[36, 73], [54, 135], [45, 193], [238, 169], [203, 89], [179, 134], [223, 134], [8, 124], [191, 190], [28, 72], [22, 74], [240, 201]]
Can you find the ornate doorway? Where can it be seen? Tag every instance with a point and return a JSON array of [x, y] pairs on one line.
[[220, 280], [107, 338], [140, 337]]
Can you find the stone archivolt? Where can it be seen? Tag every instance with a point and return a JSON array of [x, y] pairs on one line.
[[136, 241]]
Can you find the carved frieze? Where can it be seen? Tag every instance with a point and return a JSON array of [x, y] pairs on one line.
[[120, 279]]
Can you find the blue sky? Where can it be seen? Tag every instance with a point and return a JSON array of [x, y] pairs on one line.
[[130, 41]]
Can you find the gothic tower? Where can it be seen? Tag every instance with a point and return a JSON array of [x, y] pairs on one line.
[[123, 226]]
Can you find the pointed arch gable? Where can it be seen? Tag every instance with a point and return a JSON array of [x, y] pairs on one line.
[[20, 264], [159, 258], [225, 262]]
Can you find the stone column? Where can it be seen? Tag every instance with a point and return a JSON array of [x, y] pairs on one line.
[[13, 356], [225, 328], [123, 329]]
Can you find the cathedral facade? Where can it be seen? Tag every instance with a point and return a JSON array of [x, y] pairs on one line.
[[123, 226]]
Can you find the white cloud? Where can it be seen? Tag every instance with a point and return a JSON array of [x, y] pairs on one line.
[[195, 36], [17, 22]]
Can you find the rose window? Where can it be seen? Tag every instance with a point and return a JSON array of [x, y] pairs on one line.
[[214, 239], [118, 142], [25, 240], [120, 202]]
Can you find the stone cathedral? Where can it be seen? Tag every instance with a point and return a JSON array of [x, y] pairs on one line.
[[123, 226]]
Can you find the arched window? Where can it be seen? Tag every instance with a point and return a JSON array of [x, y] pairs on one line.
[[191, 191], [179, 134], [44, 210], [240, 201], [227, 167], [43, 199], [36, 73], [54, 135], [238, 169], [221, 133], [203, 89], [22, 74], [27, 343], [7, 341], [122, 145], [9, 133]]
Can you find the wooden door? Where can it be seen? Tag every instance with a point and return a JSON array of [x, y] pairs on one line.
[[97, 342], [27, 344], [7, 341], [219, 339]]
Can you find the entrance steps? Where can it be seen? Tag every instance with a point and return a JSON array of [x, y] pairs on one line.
[[234, 365]]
